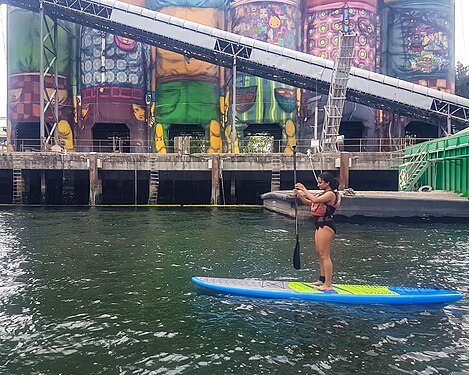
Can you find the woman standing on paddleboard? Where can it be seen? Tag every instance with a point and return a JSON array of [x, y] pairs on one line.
[[323, 206]]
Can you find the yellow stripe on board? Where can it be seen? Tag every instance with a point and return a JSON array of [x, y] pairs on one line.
[[343, 289], [364, 289], [303, 287]]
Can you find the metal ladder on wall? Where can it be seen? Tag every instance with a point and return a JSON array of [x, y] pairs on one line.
[[411, 171], [333, 110], [275, 179], [18, 183], [154, 182]]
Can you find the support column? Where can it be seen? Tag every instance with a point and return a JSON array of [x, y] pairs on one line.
[[233, 188], [96, 186], [215, 198], [43, 187], [135, 185], [233, 112], [344, 170]]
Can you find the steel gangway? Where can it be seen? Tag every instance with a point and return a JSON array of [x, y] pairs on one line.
[[334, 107], [253, 57]]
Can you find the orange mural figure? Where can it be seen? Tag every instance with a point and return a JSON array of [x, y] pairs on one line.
[[186, 90]]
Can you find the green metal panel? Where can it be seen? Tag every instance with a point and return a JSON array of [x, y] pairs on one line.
[[449, 163]]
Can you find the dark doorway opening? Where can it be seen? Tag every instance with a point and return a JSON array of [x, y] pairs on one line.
[[353, 132], [262, 138], [422, 130], [198, 140], [27, 136], [111, 138], [182, 130]]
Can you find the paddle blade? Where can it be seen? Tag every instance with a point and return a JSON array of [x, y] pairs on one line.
[[296, 256]]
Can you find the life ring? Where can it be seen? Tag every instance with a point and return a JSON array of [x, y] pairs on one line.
[[425, 189]]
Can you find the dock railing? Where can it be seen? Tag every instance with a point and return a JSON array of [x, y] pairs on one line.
[[247, 145]]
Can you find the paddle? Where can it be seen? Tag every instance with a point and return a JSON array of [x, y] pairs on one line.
[[296, 252]]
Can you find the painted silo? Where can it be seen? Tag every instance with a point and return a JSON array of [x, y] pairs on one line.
[[187, 92], [24, 77], [264, 104], [418, 42], [324, 20], [418, 46], [115, 92]]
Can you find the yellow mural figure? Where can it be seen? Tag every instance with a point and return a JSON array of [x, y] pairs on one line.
[[159, 139], [65, 135]]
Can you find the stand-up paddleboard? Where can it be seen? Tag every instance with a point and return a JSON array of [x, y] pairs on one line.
[[342, 293]]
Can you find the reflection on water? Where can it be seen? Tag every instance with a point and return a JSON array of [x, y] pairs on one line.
[[109, 291]]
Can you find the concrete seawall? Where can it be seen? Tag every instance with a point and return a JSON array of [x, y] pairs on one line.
[[383, 205]]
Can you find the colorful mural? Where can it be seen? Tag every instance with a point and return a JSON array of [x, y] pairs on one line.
[[260, 101], [24, 75], [418, 47], [188, 90], [148, 92], [419, 44], [115, 86], [324, 20]]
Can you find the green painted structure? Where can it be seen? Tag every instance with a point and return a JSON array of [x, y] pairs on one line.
[[442, 164]]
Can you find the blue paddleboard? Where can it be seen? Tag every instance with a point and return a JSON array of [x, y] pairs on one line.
[[342, 293]]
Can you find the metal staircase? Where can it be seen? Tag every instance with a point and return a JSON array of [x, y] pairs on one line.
[[275, 179], [413, 168], [154, 182], [333, 110], [18, 182]]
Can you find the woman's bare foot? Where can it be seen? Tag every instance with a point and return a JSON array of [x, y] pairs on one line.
[[326, 287], [318, 283]]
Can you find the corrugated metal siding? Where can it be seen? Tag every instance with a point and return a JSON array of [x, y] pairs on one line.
[[449, 163]]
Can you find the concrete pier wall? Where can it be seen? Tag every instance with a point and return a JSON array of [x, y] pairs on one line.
[[380, 205], [119, 178]]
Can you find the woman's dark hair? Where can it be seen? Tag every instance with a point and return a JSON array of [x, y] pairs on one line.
[[329, 177]]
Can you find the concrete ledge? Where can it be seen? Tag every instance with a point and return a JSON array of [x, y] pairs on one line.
[[383, 205], [195, 162]]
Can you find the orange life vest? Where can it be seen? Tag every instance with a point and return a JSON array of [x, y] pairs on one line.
[[326, 209]]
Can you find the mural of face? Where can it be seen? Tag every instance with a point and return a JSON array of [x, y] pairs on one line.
[[264, 13], [274, 22], [139, 112], [125, 44]]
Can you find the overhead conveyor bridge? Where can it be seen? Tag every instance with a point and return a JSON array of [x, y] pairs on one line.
[[253, 57]]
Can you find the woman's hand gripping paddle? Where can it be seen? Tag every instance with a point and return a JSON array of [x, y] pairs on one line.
[[296, 252]]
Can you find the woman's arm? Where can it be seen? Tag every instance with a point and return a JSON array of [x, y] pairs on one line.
[[303, 199], [325, 198]]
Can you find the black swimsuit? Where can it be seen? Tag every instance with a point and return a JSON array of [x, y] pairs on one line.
[[321, 222]]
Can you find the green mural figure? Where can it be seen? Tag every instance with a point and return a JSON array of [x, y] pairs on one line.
[[187, 91], [24, 79]]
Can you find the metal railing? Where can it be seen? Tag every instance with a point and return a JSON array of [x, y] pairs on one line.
[[247, 145]]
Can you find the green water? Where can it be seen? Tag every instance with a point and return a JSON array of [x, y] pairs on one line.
[[91, 291]]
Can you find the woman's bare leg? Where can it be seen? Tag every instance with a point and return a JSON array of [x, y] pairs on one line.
[[318, 256], [324, 238]]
